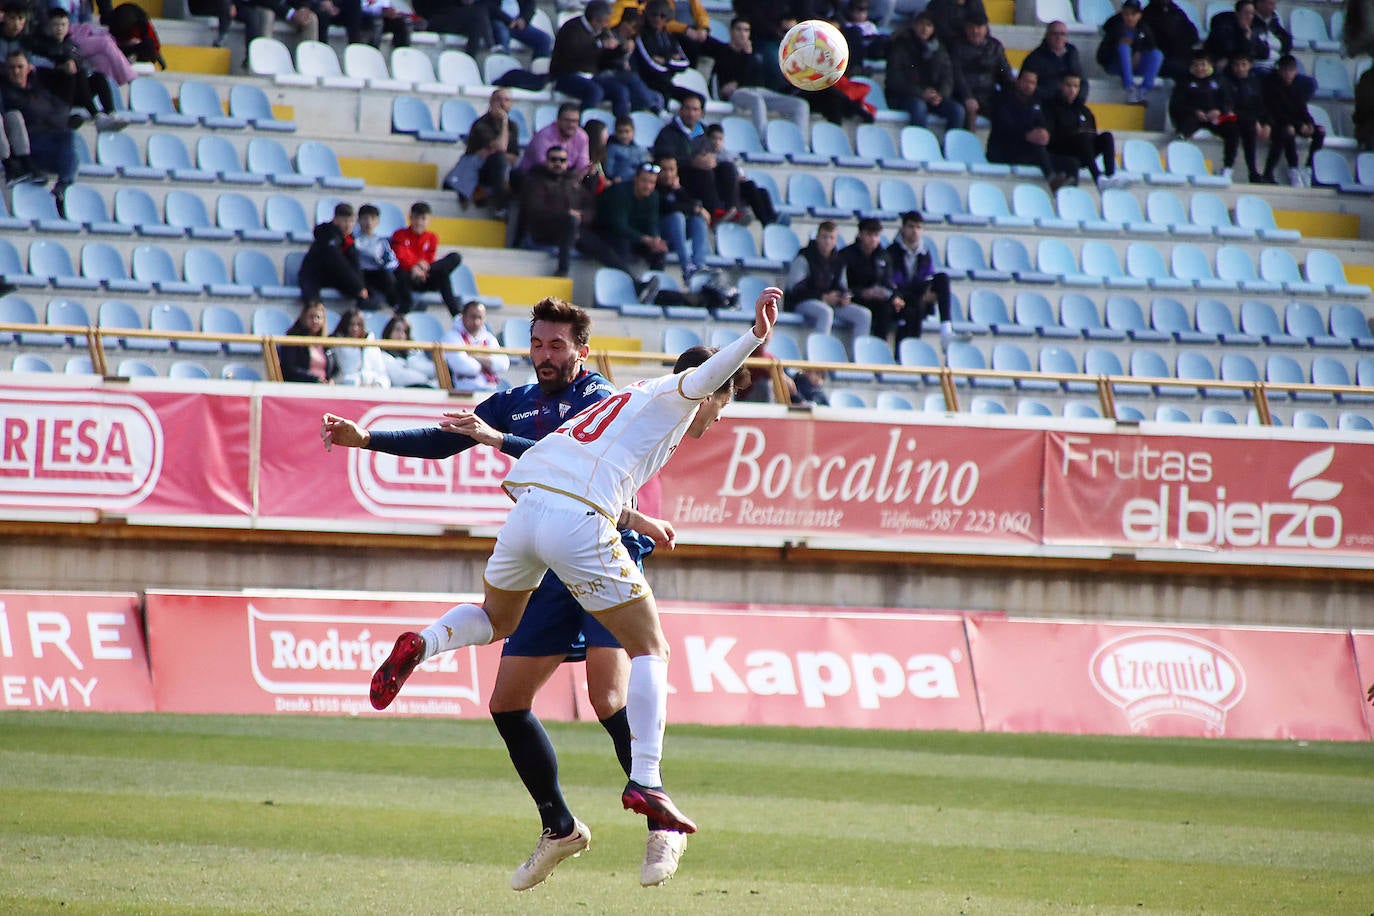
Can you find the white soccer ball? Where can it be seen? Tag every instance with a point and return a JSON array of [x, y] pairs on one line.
[[813, 55]]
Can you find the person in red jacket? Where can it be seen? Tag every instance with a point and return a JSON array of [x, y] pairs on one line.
[[415, 248]]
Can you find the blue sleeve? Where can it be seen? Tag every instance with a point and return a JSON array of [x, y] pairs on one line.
[[430, 442], [515, 446], [496, 411]]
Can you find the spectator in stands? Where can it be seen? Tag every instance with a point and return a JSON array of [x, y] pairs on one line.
[[810, 385], [51, 138], [504, 27], [482, 173], [221, 10], [760, 390], [362, 367], [416, 251], [868, 273], [1051, 59], [1363, 116], [1242, 86], [1200, 103], [313, 362], [920, 75], [621, 69], [552, 207], [980, 67], [1175, 35], [1128, 50], [1020, 133], [627, 224], [589, 63], [682, 218], [688, 21], [739, 193], [474, 371], [1074, 137], [412, 368], [1285, 100], [866, 42], [623, 154], [61, 68], [1269, 27], [381, 16], [14, 29], [923, 289], [658, 55], [768, 21], [595, 181], [738, 78], [376, 260], [15, 151], [332, 261], [260, 17], [133, 31], [951, 18], [469, 18], [565, 131], [1234, 32], [816, 287]]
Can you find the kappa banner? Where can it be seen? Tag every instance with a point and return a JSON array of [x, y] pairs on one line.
[[313, 653], [837, 478], [819, 667], [1084, 678], [146, 452], [363, 485], [1208, 494], [72, 651]]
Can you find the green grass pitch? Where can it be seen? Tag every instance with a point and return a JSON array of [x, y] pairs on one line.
[[207, 814]]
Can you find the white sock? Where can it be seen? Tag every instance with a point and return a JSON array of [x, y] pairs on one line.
[[646, 707], [946, 328], [464, 625]]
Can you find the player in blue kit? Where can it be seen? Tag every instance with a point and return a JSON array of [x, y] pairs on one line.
[[555, 628]]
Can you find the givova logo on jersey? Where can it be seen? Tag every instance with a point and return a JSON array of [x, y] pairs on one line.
[[1151, 674], [77, 449], [1191, 515]]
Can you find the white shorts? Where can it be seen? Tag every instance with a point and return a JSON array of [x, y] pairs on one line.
[[547, 530]]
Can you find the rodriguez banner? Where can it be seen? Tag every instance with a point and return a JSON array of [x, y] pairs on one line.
[[134, 452], [1086, 678], [273, 652], [1208, 494], [896, 482], [85, 652]]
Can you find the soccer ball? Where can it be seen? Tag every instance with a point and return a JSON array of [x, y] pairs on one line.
[[813, 55]]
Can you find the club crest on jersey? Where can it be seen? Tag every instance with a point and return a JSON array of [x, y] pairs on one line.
[[563, 408]]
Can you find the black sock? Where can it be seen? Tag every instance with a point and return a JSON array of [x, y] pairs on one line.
[[617, 725], [537, 765]]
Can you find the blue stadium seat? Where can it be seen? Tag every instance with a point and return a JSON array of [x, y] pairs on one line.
[[200, 101], [677, 338], [30, 363], [1077, 209], [1194, 365], [1033, 310], [116, 315], [412, 116], [1254, 213], [851, 194], [964, 146], [1008, 357], [455, 115], [135, 368], [780, 243], [1144, 261], [239, 214], [1301, 319], [1150, 364], [1124, 314], [216, 154], [1168, 413], [1120, 208], [919, 144], [1030, 201], [168, 153], [186, 210], [823, 348], [1214, 318], [876, 144], [891, 400], [1328, 370], [285, 214], [101, 262], [987, 308], [1355, 422], [982, 405], [805, 190], [875, 351], [916, 353], [220, 319], [612, 288], [186, 369], [1053, 256], [1100, 261], [266, 157], [1285, 370], [987, 201], [1349, 322], [1185, 159], [205, 268], [51, 260], [1168, 316], [1029, 407], [250, 103], [967, 356], [270, 321], [1061, 362], [1163, 208], [831, 141], [168, 316], [150, 98], [1080, 410], [254, 268], [1234, 264], [1080, 313], [896, 195], [84, 205], [1324, 268], [118, 151], [1259, 319], [943, 203], [154, 264], [964, 257], [35, 204], [743, 138], [784, 138], [135, 208], [1009, 255], [318, 161], [1209, 211], [1140, 158], [1308, 419], [1190, 263]]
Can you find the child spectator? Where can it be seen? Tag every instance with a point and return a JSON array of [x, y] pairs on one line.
[[332, 260], [311, 363], [1242, 84], [363, 367], [416, 250], [380, 16], [1200, 103], [865, 41], [1128, 49], [1285, 99], [410, 368], [376, 260], [61, 67], [623, 154]]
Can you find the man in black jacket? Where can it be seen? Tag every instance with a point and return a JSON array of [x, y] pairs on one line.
[[920, 75], [585, 53], [1020, 133], [1234, 32], [52, 141], [332, 261], [868, 271], [1074, 135], [1128, 49], [1175, 35], [922, 287], [1285, 99], [1242, 86], [1051, 59]]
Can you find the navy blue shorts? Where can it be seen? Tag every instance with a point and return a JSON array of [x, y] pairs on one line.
[[555, 624]]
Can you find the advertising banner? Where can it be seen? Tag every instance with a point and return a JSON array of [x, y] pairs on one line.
[[314, 653], [301, 480], [1087, 678], [73, 651], [904, 484], [1363, 644], [144, 452], [818, 667], [1208, 494]]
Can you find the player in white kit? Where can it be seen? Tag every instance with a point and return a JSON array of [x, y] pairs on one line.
[[570, 490]]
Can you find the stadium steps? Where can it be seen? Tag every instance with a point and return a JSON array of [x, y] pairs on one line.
[[394, 173], [197, 59], [524, 289]]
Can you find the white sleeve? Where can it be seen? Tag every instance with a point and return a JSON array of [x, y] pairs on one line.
[[702, 381]]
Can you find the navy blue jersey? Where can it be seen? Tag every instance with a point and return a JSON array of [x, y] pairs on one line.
[[525, 414]]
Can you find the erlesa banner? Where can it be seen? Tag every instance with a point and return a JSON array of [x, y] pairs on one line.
[[163, 455]]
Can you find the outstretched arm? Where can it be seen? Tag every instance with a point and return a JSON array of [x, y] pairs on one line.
[[429, 442], [716, 371]]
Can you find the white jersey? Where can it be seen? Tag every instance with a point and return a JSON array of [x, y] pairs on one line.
[[603, 455]]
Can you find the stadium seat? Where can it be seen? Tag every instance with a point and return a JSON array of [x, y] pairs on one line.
[[1080, 313], [1194, 365], [134, 207], [78, 365], [1330, 169], [455, 115], [1029, 407], [891, 400], [118, 151], [30, 363], [1009, 255], [1168, 413], [1100, 261], [34, 204], [983, 405], [1165, 209], [1144, 262], [780, 243], [919, 144], [154, 264], [117, 315], [1061, 362], [942, 202], [677, 338], [412, 116], [1147, 363], [168, 153], [876, 144], [1254, 213], [1033, 310], [986, 200], [151, 100], [216, 154], [831, 141], [1189, 263], [823, 348], [847, 399], [66, 313], [284, 213], [875, 351], [1184, 158], [1308, 419], [51, 260], [964, 146], [84, 206], [851, 194], [966, 356], [743, 138], [135, 368], [1140, 158], [805, 190], [988, 309], [205, 268], [784, 138], [239, 214], [1234, 265], [101, 262], [1330, 371], [249, 102], [1324, 268], [1008, 357], [270, 58], [1259, 319], [1309, 30], [964, 257], [266, 157], [199, 100], [1169, 317], [1278, 265], [1214, 318], [1301, 319], [1077, 209], [414, 66], [1053, 256], [168, 316], [318, 161], [1209, 211], [612, 288], [1124, 314], [1355, 422], [254, 268], [1120, 208], [1349, 322], [364, 62], [1280, 369], [220, 319], [186, 210], [318, 61]]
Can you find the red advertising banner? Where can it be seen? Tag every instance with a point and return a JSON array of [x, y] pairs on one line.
[[70, 651], [314, 653], [832, 478], [1199, 493], [1087, 678], [363, 485], [818, 667], [145, 452], [1363, 643]]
